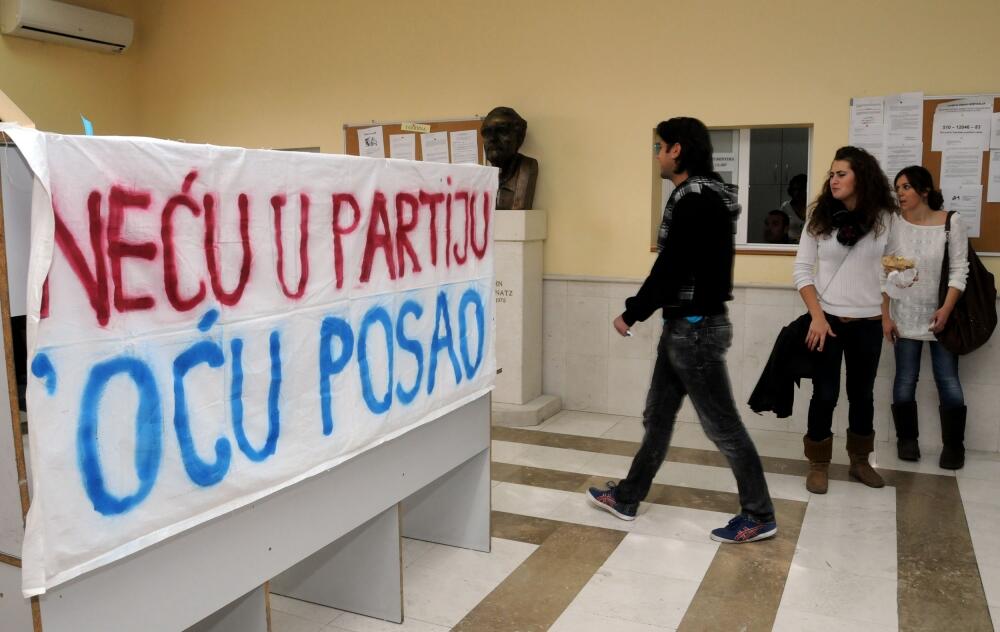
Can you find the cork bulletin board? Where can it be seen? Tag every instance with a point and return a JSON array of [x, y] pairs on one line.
[[989, 235], [352, 148]]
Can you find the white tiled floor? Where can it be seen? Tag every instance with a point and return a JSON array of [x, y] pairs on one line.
[[981, 466], [789, 620], [541, 456], [834, 594], [444, 583], [629, 592], [666, 557], [441, 584], [303, 610], [581, 423], [848, 539], [657, 520], [858, 542], [579, 620], [616, 466], [783, 444], [982, 511], [846, 553], [633, 597]]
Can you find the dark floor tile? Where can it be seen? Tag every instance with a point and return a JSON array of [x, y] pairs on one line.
[[540, 589]]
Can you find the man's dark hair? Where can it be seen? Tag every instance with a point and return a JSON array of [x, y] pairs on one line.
[[871, 188], [786, 222], [696, 145], [520, 125], [798, 179]]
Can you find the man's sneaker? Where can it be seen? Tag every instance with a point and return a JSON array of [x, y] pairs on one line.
[[745, 529], [605, 499]]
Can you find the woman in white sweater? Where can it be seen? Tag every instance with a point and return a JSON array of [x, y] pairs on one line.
[[837, 273], [915, 313]]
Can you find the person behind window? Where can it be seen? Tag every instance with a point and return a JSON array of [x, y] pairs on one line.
[[795, 207], [915, 316], [776, 228], [837, 273]]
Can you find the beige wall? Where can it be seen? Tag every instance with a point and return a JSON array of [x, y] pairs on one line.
[[54, 84], [592, 78]]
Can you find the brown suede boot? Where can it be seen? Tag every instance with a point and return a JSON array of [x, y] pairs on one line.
[[858, 448], [819, 454]]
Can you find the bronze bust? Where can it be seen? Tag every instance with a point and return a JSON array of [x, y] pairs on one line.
[[503, 133]]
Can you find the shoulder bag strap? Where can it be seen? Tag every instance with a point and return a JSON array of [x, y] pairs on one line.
[[839, 266], [945, 260]]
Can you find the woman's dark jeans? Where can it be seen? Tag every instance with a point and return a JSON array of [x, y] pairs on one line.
[[859, 343]]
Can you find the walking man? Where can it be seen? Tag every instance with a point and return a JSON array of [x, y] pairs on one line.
[[691, 281]]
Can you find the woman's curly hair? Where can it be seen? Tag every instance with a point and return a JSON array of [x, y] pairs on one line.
[[871, 189]]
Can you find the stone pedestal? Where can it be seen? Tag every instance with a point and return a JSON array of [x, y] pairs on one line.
[[518, 398]]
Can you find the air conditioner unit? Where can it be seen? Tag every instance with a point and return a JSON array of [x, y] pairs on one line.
[[63, 23]]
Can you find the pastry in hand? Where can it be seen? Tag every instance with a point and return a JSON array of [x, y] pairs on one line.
[[890, 263]]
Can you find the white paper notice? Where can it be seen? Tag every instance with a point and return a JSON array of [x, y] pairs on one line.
[[995, 132], [904, 118], [867, 125], [464, 146], [434, 146], [993, 193], [960, 167], [403, 146], [962, 124], [724, 161], [967, 200], [370, 142], [899, 156]]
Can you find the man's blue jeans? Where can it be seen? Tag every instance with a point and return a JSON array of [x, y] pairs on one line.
[[691, 360], [944, 364]]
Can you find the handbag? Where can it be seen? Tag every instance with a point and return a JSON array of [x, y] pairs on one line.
[[974, 317]]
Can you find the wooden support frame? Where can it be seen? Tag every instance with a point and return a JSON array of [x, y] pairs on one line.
[[11, 386], [15, 418]]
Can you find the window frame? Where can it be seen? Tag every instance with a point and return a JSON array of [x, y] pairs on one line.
[[742, 226]]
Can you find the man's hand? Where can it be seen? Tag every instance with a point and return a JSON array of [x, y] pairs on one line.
[[620, 326]]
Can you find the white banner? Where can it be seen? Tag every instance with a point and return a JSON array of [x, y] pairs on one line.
[[208, 325]]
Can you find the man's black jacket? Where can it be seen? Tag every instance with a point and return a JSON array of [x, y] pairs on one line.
[[790, 361]]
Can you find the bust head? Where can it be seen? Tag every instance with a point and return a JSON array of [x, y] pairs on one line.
[[503, 133]]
